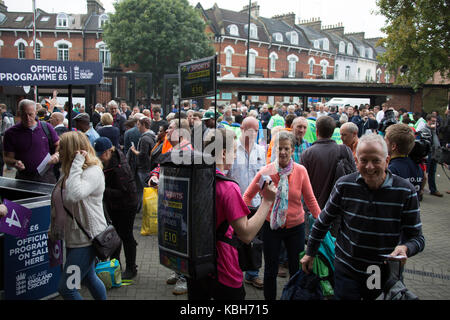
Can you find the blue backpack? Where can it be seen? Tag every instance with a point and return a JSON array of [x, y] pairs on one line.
[[109, 273]]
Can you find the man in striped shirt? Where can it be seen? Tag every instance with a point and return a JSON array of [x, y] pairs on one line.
[[380, 216]]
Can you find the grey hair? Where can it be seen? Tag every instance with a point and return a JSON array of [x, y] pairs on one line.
[[351, 127], [371, 138], [113, 103], [26, 102], [343, 118], [284, 135], [98, 105]]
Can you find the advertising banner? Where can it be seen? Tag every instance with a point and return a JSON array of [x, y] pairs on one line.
[[173, 216], [27, 273], [23, 72], [197, 78]]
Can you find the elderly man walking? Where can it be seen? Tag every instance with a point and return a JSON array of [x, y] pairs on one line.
[[380, 216], [250, 158], [349, 136], [31, 146]]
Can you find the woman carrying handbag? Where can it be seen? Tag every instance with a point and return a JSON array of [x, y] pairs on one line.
[[80, 192]]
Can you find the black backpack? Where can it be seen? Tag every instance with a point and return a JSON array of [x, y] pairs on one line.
[[343, 166], [250, 255]]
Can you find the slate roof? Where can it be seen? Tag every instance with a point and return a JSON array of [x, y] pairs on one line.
[[75, 21], [275, 26]]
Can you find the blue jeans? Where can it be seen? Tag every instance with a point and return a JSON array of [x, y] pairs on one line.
[[431, 170], [294, 241], [251, 274], [84, 259]]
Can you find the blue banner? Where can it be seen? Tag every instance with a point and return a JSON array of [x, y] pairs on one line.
[[27, 274], [22, 72]]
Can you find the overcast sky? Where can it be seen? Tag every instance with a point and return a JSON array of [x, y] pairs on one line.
[[356, 15]]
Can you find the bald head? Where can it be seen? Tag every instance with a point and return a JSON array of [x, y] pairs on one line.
[[249, 129], [250, 123]]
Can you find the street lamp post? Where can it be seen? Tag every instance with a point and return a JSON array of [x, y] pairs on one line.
[[248, 35]]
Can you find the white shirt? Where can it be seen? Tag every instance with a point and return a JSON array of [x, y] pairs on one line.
[[380, 116], [246, 166]]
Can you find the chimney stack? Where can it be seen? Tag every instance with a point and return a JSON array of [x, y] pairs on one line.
[[3, 7], [254, 10], [94, 7], [289, 18]]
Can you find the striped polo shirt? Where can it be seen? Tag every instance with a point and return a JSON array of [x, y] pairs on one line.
[[373, 223]]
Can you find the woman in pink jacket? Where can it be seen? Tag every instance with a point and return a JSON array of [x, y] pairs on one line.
[[285, 220]]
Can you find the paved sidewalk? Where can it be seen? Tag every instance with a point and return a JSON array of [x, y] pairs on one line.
[[427, 274]]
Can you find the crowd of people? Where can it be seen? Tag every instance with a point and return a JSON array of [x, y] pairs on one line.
[[101, 167]]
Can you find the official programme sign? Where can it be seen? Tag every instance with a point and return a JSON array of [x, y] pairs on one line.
[[22, 72], [197, 78]]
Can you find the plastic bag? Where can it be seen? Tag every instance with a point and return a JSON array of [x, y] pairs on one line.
[[150, 212]]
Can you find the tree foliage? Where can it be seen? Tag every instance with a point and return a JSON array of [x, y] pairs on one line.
[[156, 35], [418, 36]]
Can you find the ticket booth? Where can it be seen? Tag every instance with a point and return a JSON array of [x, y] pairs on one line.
[[25, 273]]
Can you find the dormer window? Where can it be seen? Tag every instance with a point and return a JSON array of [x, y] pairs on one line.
[[349, 49], [234, 30], [294, 38], [253, 31], [316, 44], [102, 20], [19, 19], [342, 47], [325, 44], [361, 51], [62, 20], [278, 37], [369, 53], [45, 19]]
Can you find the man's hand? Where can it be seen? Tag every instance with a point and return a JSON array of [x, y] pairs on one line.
[[154, 181], [54, 159], [400, 250], [19, 165], [307, 263], [3, 210]]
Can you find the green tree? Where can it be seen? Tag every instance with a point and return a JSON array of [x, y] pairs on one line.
[[418, 36], [155, 35]]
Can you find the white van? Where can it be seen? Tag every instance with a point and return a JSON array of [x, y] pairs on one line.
[[341, 102]]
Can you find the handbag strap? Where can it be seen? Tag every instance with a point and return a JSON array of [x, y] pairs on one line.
[[72, 216]]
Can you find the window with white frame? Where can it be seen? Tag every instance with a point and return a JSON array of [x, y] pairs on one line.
[[273, 60], [278, 37], [362, 51], [234, 30], [21, 51], [378, 75], [294, 38], [252, 61], [63, 52], [316, 44], [311, 63], [368, 75], [324, 64], [253, 31], [104, 55], [386, 77], [292, 59], [62, 20], [229, 51], [336, 71], [102, 20], [369, 53], [359, 74], [342, 47], [326, 44], [347, 73], [349, 49]]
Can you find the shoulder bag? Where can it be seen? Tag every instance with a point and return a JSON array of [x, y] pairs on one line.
[[105, 243]]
